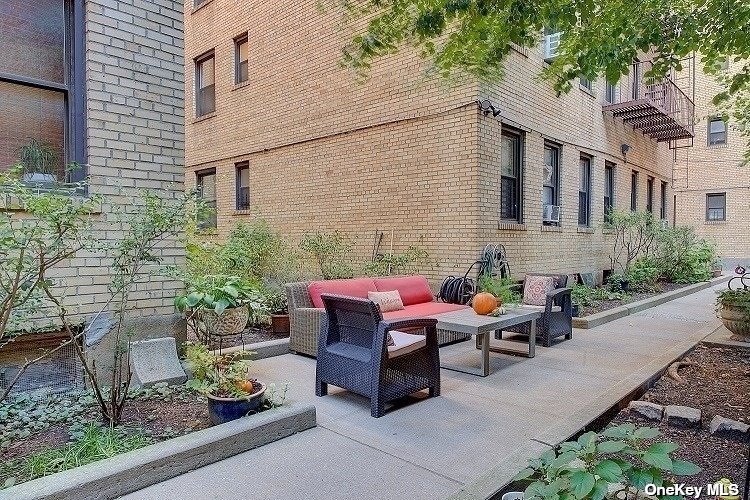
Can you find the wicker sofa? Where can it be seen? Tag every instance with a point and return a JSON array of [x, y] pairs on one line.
[[306, 306]]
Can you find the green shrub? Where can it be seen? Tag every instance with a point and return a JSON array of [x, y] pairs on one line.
[[683, 257], [397, 263], [736, 298], [643, 274], [504, 289], [606, 465], [331, 253]]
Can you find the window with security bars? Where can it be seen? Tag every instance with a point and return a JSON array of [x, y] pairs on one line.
[[205, 84], [584, 192], [243, 185], [551, 176], [510, 176], [240, 59], [634, 190], [205, 182], [609, 190], [716, 206]]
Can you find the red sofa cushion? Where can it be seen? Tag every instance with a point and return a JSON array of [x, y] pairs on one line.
[[424, 310], [413, 289], [357, 287]]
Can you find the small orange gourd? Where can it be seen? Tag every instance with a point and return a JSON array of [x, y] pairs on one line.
[[484, 303]]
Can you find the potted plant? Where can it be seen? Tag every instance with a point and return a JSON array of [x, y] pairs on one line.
[[224, 380], [716, 268], [276, 303], [733, 307], [39, 161], [219, 304], [580, 296]]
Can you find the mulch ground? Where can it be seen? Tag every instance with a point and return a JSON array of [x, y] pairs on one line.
[[719, 384], [605, 305]]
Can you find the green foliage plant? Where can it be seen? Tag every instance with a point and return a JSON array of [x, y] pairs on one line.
[[643, 274], [408, 262], [599, 465], [219, 375], [331, 253], [275, 300], [218, 292], [504, 289], [683, 256], [633, 236]]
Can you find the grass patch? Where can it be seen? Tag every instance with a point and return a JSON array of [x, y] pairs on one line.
[[95, 443]]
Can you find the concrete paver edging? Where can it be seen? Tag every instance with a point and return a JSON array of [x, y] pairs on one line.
[[600, 318], [137, 469], [261, 350]]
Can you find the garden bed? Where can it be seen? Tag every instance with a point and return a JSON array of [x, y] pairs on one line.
[[717, 385], [607, 304], [31, 429]]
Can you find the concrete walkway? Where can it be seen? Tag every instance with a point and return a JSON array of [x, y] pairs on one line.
[[466, 443]]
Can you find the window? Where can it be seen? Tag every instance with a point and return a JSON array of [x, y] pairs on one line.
[[663, 213], [611, 93], [609, 190], [650, 194], [586, 84], [716, 206], [717, 131], [205, 182], [240, 59], [205, 89], [41, 89], [510, 176], [634, 190], [551, 173], [584, 193], [243, 185]]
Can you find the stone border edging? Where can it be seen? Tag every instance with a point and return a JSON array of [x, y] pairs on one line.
[[265, 349], [600, 318], [137, 469]]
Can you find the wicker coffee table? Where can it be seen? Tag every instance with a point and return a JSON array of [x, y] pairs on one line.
[[482, 327]]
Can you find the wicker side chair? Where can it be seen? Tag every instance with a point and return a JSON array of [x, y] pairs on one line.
[[304, 320], [557, 316], [353, 354]]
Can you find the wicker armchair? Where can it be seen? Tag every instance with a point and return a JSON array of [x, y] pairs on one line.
[[305, 320], [557, 316], [353, 353]]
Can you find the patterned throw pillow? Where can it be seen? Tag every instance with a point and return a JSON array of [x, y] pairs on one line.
[[387, 301], [535, 289]]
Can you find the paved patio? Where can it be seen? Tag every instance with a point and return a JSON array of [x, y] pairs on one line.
[[466, 443]]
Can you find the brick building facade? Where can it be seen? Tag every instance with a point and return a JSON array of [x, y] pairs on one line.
[[711, 185], [276, 129], [117, 93]]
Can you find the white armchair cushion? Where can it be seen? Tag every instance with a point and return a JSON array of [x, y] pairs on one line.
[[404, 343]]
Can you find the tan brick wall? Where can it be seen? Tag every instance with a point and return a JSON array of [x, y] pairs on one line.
[[135, 141], [397, 152], [704, 169]]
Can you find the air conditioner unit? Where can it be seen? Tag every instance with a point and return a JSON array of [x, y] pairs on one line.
[[551, 213], [664, 223], [551, 45]]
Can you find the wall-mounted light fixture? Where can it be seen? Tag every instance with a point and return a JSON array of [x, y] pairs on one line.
[[487, 107], [625, 148]]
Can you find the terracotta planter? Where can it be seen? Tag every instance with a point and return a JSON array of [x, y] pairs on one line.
[[735, 320], [231, 322], [222, 410], [280, 324], [715, 273]]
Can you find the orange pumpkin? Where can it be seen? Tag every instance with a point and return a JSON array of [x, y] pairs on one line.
[[245, 386], [484, 303]]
